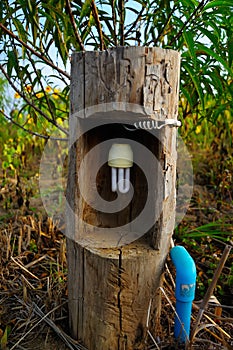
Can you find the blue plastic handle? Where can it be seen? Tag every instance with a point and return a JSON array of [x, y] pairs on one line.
[[185, 290]]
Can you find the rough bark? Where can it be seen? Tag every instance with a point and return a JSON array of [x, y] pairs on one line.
[[111, 286]]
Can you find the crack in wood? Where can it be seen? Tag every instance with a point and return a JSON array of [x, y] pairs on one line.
[[119, 292], [122, 284]]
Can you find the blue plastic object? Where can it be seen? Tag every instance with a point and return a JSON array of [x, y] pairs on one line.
[[185, 291]]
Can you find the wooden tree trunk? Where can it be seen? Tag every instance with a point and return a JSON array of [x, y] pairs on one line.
[[111, 285]]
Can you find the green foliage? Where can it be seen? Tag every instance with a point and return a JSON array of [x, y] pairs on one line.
[[217, 230], [35, 35], [17, 146], [206, 243]]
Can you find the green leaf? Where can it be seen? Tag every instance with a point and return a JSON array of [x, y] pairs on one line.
[[86, 9], [212, 24], [53, 10], [188, 3], [21, 33], [230, 50], [30, 5], [12, 62], [20, 29], [206, 50], [59, 45], [195, 81], [185, 92], [218, 3], [212, 37], [1, 10], [216, 81], [47, 15], [188, 38]]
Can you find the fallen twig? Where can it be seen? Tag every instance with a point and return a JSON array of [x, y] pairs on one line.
[[24, 268], [36, 261]]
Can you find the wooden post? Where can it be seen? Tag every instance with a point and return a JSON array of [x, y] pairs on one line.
[[111, 285]]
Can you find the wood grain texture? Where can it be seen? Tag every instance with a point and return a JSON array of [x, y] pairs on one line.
[[110, 288]]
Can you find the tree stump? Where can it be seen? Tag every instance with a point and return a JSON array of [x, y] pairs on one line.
[[116, 258]]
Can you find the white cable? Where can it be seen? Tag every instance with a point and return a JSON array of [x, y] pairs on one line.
[[154, 124]]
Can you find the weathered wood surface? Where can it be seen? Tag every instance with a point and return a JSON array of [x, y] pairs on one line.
[[110, 288]]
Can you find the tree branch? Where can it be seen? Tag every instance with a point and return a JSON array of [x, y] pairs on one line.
[[134, 24], [113, 2], [99, 28], [32, 132], [41, 56], [202, 4], [122, 21], [76, 33]]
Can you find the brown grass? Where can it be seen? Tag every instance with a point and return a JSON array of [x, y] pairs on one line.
[[34, 312]]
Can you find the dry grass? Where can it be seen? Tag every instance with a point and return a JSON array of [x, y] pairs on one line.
[[33, 285], [33, 306]]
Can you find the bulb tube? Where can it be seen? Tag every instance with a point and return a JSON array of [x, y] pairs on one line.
[[123, 180], [114, 179]]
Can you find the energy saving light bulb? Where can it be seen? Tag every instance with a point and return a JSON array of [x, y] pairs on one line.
[[120, 159]]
